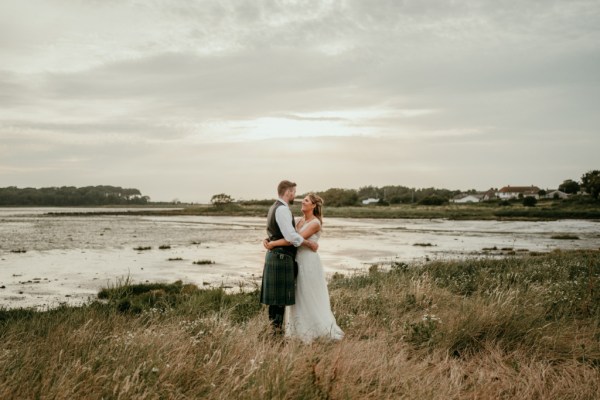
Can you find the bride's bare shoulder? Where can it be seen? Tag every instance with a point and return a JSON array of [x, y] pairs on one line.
[[317, 223]]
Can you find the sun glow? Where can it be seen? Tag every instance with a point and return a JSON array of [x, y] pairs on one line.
[[335, 123], [317, 124], [266, 128]]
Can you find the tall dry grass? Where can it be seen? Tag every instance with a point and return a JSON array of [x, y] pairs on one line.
[[526, 328]]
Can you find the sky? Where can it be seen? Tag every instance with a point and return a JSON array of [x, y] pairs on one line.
[[186, 99]]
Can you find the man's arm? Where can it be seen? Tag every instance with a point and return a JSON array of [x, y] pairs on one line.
[[284, 220], [283, 216], [282, 242]]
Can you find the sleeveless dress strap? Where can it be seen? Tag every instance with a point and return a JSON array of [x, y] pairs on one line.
[[305, 224]]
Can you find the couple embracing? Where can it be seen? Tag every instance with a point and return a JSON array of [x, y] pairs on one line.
[[293, 283]]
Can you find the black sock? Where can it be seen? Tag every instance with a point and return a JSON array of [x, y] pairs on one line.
[[276, 316]]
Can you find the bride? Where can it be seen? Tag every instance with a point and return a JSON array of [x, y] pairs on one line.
[[311, 316]]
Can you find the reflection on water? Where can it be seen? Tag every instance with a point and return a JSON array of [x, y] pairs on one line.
[[69, 258]]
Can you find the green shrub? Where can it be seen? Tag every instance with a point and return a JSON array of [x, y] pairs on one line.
[[529, 201], [433, 200]]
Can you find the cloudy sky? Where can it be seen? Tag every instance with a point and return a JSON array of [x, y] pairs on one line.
[[185, 99]]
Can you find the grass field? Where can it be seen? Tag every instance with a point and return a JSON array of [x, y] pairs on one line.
[[519, 327]]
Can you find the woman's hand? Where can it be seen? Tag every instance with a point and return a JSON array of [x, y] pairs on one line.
[[267, 244]]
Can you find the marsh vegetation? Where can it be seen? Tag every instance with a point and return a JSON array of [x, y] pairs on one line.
[[203, 262], [492, 210], [516, 327], [142, 248]]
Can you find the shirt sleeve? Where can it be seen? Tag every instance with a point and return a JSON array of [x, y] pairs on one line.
[[283, 216]]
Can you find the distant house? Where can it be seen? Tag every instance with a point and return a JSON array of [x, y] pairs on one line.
[[489, 195], [467, 198], [556, 194], [370, 201], [514, 192]]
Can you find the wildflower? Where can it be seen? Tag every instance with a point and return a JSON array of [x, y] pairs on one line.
[[432, 317]]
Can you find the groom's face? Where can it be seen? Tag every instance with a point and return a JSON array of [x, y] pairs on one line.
[[291, 195]]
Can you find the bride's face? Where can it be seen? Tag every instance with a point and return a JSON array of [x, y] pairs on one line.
[[307, 204]]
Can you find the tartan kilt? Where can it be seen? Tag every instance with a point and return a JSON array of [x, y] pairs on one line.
[[278, 283]]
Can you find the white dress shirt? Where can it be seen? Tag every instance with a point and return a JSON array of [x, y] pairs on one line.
[[283, 216]]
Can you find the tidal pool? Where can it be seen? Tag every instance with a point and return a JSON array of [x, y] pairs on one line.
[[46, 260]]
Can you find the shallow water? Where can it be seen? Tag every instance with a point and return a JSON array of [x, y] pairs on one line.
[[69, 258]]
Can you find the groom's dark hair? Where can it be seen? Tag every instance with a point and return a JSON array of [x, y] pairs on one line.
[[284, 186]]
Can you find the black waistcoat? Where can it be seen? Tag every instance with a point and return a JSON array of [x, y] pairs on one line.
[[274, 231]]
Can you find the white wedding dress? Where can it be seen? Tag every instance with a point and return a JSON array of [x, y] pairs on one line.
[[311, 316]]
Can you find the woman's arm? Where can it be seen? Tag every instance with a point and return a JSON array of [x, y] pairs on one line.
[[313, 227], [306, 233], [275, 243]]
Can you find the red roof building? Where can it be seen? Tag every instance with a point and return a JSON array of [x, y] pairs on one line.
[[511, 192]]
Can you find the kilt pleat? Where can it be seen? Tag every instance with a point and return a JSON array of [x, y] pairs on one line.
[[278, 284]]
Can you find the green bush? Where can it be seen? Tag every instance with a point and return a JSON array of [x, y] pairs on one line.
[[529, 201], [130, 298], [433, 200]]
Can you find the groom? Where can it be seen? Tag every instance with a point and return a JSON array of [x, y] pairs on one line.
[[278, 281]]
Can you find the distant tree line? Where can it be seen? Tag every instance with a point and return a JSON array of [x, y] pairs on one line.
[[590, 184], [387, 195], [71, 196]]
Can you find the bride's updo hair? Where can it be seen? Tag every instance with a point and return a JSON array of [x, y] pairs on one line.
[[318, 202]]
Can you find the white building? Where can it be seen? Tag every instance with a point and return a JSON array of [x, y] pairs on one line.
[[514, 192], [469, 198], [556, 194], [370, 201]]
